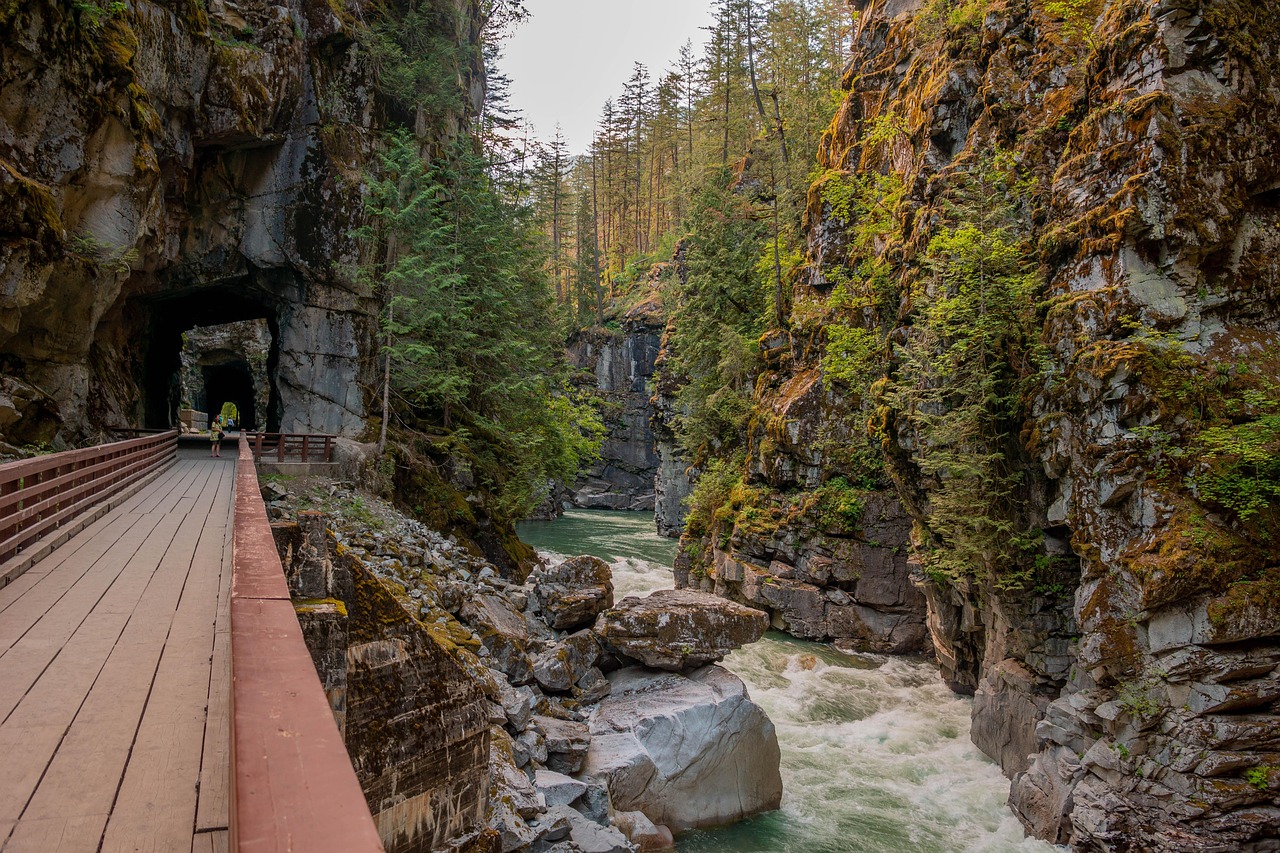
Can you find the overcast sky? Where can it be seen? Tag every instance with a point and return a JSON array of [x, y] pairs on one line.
[[572, 55]]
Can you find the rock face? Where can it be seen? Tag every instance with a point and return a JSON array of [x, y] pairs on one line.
[[1117, 626], [821, 583], [687, 752], [168, 166], [413, 720], [679, 629], [622, 366]]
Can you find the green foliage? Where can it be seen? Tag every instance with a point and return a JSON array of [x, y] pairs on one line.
[[93, 15], [866, 202], [719, 315], [418, 59], [884, 128], [469, 328], [1078, 19], [1258, 777], [711, 491], [939, 17], [853, 355], [117, 259], [229, 411], [840, 506], [1243, 462], [972, 345], [1136, 698]]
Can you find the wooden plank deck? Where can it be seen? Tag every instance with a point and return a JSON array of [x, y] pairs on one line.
[[114, 677]]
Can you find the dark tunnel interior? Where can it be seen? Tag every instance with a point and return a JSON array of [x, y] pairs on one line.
[[230, 383]]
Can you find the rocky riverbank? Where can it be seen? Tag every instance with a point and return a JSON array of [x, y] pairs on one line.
[[609, 726]]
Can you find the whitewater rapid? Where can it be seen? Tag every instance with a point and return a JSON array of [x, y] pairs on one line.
[[876, 756]]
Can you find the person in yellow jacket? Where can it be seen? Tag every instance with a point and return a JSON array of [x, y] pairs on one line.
[[216, 433]]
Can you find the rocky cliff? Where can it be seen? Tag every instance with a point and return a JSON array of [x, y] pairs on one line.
[[640, 466], [620, 364], [1037, 343], [166, 164]]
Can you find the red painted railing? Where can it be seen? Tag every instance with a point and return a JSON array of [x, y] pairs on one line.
[[292, 447], [43, 500], [292, 784]]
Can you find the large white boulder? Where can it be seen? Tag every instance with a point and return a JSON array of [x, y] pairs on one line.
[[687, 751]]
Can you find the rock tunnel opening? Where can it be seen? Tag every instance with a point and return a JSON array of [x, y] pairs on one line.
[[207, 346], [231, 382]]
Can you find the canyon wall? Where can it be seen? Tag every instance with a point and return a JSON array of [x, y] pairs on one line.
[[640, 466], [1030, 381], [620, 366]]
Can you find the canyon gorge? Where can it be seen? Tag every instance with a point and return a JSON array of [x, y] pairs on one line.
[[1009, 403]]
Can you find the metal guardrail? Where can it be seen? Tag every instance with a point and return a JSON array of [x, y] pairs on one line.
[[291, 447], [292, 784], [40, 498]]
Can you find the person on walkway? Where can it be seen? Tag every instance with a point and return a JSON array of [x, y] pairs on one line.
[[215, 437]]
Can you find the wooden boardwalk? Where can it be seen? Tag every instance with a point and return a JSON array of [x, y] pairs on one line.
[[115, 676]]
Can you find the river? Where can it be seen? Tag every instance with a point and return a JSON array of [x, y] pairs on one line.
[[876, 756]]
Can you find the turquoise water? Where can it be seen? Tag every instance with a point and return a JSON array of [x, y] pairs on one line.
[[876, 756]]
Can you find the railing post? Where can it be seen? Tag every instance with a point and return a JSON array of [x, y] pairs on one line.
[[305, 448]]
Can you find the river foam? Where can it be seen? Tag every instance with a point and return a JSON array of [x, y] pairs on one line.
[[876, 756]]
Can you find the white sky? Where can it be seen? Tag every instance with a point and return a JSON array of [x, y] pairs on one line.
[[573, 55]]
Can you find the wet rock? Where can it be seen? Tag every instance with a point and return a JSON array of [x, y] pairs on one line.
[[679, 629], [572, 593], [688, 751]]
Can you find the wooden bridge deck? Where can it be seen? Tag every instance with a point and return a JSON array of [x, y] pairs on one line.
[[115, 676]]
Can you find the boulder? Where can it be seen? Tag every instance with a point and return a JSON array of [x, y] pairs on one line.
[[564, 664], [574, 592], [591, 687], [517, 704], [593, 838], [679, 629], [595, 804], [503, 632], [567, 742], [688, 752], [643, 833], [558, 789], [553, 826]]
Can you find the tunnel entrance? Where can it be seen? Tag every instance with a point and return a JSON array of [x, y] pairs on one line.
[[207, 347]]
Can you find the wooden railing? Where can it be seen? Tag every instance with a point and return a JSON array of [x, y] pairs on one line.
[[292, 784], [43, 500], [292, 447]]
